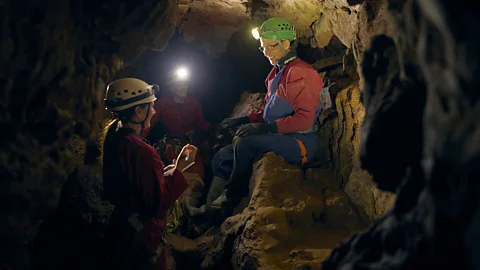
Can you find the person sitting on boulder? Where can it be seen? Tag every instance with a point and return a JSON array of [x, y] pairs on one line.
[[133, 179], [286, 124]]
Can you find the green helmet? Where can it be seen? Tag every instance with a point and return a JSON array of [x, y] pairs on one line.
[[276, 28]]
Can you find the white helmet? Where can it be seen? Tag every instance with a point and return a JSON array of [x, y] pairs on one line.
[[128, 92]]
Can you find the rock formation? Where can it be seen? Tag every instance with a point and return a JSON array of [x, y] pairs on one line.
[[426, 153], [405, 124], [55, 60], [290, 220]]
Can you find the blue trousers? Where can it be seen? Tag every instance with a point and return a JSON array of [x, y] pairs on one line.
[[234, 162]]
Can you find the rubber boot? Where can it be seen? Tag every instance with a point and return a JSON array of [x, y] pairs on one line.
[[216, 189], [204, 215], [230, 199], [190, 210]]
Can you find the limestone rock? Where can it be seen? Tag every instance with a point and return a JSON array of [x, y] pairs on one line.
[[56, 60], [322, 31], [339, 213], [282, 226], [322, 178], [78, 226], [340, 131], [188, 253], [249, 102], [211, 23], [364, 193], [432, 163]]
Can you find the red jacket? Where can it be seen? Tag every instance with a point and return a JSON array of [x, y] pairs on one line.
[[298, 93], [176, 120], [133, 181]]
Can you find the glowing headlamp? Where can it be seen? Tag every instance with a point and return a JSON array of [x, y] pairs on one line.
[[256, 34], [181, 74]]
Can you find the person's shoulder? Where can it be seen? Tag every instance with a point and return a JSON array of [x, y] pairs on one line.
[[300, 68], [140, 146], [300, 64], [164, 99], [191, 101]]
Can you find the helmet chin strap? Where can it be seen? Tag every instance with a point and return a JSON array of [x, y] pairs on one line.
[[142, 123]]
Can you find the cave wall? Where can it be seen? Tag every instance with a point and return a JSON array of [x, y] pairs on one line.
[[56, 59], [340, 139], [423, 81]]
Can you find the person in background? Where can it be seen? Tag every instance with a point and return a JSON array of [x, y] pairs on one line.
[[179, 120], [177, 113], [135, 181]]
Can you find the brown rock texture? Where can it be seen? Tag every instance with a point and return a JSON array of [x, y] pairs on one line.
[[211, 23], [56, 58], [421, 94], [249, 102], [342, 129], [289, 222]]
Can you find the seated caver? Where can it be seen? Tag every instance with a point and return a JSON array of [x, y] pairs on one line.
[[285, 126]]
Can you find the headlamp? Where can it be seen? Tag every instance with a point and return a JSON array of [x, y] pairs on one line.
[[255, 33], [181, 74]]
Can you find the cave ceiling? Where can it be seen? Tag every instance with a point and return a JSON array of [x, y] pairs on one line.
[[211, 23]]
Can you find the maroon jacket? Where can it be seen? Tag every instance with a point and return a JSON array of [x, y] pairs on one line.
[[133, 181], [177, 120]]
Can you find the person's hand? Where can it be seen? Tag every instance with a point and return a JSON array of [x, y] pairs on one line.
[[186, 157], [256, 128], [231, 122], [169, 167], [168, 170]]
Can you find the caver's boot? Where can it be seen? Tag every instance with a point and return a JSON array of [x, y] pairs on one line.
[[216, 189], [203, 216], [229, 199]]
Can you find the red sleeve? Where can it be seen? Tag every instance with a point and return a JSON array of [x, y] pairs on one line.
[[200, 121], [302, 90], [155, 118], [176, 185], [157, 193], [256, 117]]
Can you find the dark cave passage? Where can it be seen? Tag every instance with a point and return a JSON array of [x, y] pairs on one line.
[[216, 81]]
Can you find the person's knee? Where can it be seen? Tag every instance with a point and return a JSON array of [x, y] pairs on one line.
[[246, 142], [222, 154]]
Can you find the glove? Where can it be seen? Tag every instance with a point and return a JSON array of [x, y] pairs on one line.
[[231, 122], [257, 128]]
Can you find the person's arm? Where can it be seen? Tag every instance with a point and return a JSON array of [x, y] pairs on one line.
[[256, 117], [302, 91], [159, 194]]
